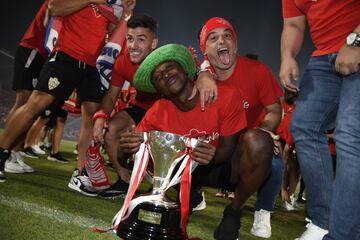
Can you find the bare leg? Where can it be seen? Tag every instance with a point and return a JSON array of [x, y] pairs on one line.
[[57, 134]]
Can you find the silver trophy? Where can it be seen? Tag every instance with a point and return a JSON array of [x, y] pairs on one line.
[[155, 216]]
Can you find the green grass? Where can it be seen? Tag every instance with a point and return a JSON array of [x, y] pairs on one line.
[[40, 206]]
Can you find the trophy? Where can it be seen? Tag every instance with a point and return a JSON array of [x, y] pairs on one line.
[[154, 216]]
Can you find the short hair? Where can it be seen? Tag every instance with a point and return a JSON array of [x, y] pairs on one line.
[[143, 21]]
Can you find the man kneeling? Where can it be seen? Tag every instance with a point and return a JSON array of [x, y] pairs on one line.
[[170, 70]]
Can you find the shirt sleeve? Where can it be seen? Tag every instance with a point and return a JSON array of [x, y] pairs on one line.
[[289, 9], [234, 117], [269, 88], [117, 77]]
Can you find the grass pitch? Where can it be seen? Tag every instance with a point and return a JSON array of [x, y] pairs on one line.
[[40, 206]]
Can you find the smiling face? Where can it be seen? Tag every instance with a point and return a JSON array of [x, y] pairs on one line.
[[169, 78], [221, 48], [140, 42]]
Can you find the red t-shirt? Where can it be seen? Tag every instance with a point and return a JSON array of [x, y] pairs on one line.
[[284, 128], [330, 21], [225, 117], [83, 34], [257, 85], [34, 36], [123, 70]]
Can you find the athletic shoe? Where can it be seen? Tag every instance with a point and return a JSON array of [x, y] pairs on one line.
[[28, 152], [21, 162], [313, 232], [4, 155], [220, 194], [12, 166], [301, 199], [46, 147], [292, 206], [82, 184], [2, 174], [229, 226], [57, 157], [231, 195], [201, 203], [37, 150], [261, 226], [118, 189]]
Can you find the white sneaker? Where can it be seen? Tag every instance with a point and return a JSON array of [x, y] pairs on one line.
[[36, 149], [12, 165], [261, 226], [313, 232], [20, 161], [82, 184], [201, 205], [292, 206]]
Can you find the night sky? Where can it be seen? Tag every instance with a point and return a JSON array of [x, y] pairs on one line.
[[258, 24]]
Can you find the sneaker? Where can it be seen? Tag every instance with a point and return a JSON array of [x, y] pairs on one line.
[[201, 205], [261, 226], [21, 162], [118, 189], [301, 199], [28, 152], [2, 174], [313, 232], [46, 147], [82, 184], [57, 157], [37, 150], [229, 227], [231, 195], [4, 155], [220, 194], [12, 166], [292, 205]]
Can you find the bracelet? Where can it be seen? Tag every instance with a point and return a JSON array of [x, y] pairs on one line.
[[100, 114]]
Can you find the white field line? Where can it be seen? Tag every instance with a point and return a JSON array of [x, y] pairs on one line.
[[53, 214]]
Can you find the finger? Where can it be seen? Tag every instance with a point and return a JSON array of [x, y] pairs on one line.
[[202, 101], [193, 93], [215, 95]]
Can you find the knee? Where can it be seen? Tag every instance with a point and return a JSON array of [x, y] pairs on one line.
[[258, 142]]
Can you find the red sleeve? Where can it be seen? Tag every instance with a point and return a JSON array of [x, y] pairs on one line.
[[269, 88], [117, 76], [289, 9], [234, 117]]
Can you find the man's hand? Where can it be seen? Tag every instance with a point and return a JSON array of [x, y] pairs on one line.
[[276, 139], [203, 153], [98, 130], [289, 71], [130, 140], [348, 60], [128, 6], [206, 85]]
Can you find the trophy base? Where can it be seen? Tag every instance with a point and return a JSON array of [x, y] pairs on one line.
[[150, 221]]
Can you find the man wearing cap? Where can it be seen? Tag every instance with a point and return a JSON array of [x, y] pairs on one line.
[[141, 39], [169, 71], [261, 93]]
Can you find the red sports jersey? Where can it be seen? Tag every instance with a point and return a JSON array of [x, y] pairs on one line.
[[225, 117], [34, 36], [330, 21], [123, 70], [83, 34], [257, 85], [284, 128]]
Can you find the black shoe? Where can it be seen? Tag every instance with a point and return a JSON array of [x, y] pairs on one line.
[[28, 152], [301, 199], [118, 189], [197, 200], [4, 155], [229, 227], [57, 157]]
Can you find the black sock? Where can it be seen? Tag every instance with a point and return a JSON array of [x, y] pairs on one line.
[[229, 227], [4, 154]]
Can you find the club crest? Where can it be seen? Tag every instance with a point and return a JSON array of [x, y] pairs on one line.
[[53, 83]]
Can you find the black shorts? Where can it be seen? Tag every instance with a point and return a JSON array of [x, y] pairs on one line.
[[27, 66], [62, 74], [53, 112], [135, 112], [213, 175]]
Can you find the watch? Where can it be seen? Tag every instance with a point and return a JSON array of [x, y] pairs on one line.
[[353, 39]]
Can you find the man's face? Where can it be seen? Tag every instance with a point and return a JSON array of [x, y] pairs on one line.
[[140, 42], [169, 78], [221, 48]]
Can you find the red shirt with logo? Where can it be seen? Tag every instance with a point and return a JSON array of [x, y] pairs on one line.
[[83, 34], [284, 128], [123, 70], [34, 36], [225, 117], [257, 85], [330, 21]]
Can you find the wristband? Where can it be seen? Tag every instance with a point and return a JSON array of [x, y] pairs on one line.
[[100, 114]]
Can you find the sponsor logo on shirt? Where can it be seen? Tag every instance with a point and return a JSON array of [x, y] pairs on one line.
[[246, 105], [202, 135]]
